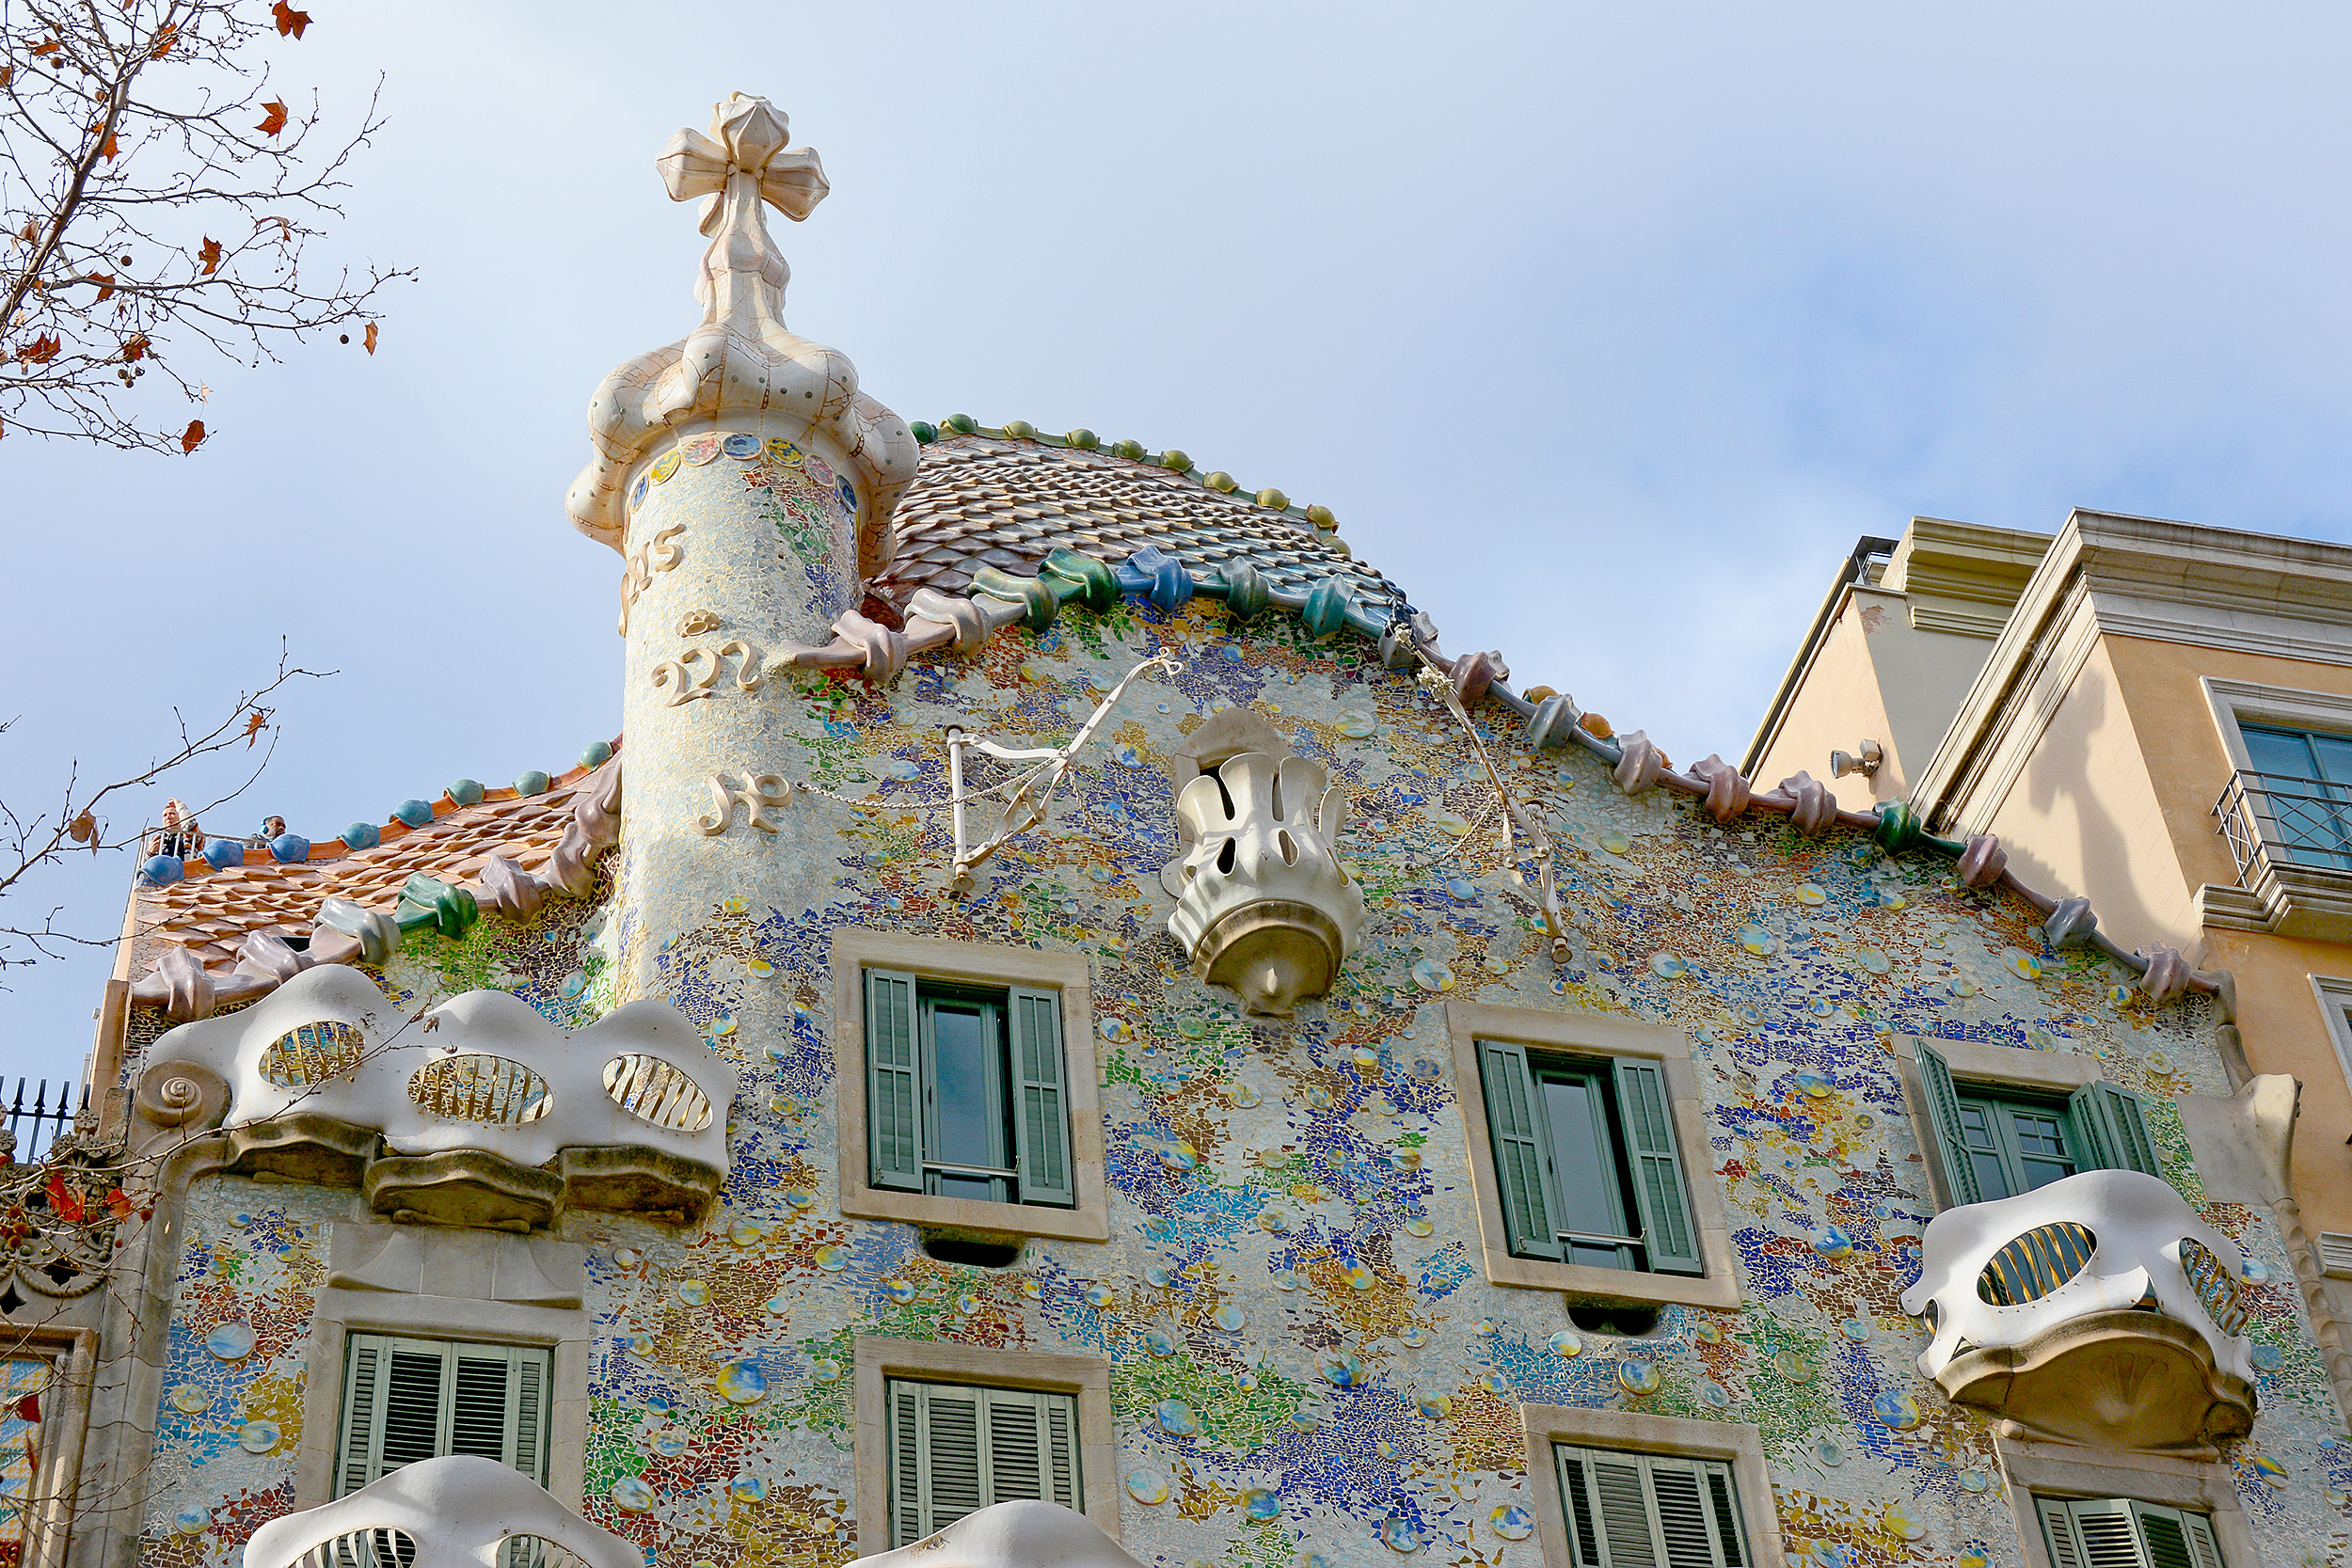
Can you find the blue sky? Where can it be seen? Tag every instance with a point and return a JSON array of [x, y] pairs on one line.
[[1605, 331]]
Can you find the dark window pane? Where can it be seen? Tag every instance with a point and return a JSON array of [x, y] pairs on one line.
[[2041, 1147], [1588, 1179], [966, 1060], [2039, 1134], [2334, 755], [1976, 1124], [2285, 752], [1992, 1177]]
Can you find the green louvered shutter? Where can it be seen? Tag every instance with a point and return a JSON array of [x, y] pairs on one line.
[[363, 1414], [1041, 1099], [1019, 1455], [1523, 1174], [2058, 1529], [953, 1464], [894, 1082], [2108, 1533], [2115, 1124], [955, 1451], [1648, 1511], [2166, 1535], [1061, 1453], [1659, 1193], [906, 1464], [1935, 1083], [407, 1400], [2204, 1552], [2115, 1533]]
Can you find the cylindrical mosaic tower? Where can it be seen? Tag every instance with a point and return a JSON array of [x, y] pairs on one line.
[[748, 487]]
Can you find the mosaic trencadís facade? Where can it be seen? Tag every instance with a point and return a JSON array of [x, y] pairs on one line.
[[1284, 1257]]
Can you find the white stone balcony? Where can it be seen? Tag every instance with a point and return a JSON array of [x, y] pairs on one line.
[[456, 1512], [479, 1112], [1008, 1535], [2098, 1310]]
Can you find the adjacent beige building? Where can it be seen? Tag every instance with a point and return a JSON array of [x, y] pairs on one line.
[[2154, 715]]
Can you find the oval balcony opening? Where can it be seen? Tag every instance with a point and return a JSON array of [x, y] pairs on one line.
[[656, 1091], [2216, 1288], [2036, 1263], [364, 1548], [530, 1551], [480, 1088], [313, 1053]]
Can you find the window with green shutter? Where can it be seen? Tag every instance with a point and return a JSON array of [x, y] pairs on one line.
[[2116, 1532], [1649, 1510], [966, 1091], [1586, 1166], [956, 1449], [406, 1400], [2001, 1142]]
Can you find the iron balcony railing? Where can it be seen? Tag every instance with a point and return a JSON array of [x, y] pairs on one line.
[[49, 1118], [2304, 822]]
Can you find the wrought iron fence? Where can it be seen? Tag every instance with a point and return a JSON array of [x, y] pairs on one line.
[[49, 1118], [2298, 821]]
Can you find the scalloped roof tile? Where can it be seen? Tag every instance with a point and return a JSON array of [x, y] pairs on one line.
[[984, 499]]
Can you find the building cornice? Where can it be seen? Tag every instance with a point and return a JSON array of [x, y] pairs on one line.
[[2130, 576]]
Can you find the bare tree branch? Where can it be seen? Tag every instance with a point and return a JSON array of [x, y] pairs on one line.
[[128, 141], [29, 843]]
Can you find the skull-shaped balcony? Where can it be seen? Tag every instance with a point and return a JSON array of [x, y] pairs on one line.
[[458, 1510], [479, 1113], [2098, 1310]]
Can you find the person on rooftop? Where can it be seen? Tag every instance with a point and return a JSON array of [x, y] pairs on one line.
[[179, 838]]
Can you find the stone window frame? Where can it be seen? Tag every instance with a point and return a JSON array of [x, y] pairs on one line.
[[1733, 1443], [857, 949], [2194, 1486], [345, 1309], [1996, 1067], [71, 1354], [1591, 1035], [2335, 1005], [2236, 703], [1087, 1379]]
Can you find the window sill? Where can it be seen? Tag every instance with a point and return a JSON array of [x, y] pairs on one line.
[[1584, 1283], [976, 1217]]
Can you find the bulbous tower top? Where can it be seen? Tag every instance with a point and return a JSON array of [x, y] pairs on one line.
[[741, 368]]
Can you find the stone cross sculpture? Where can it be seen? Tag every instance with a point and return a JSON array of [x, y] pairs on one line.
[[741, 368]]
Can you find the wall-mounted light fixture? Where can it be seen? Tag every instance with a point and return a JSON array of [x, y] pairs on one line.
[[1843, 763]]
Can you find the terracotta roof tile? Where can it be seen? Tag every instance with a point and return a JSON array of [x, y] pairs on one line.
[[210, 912]]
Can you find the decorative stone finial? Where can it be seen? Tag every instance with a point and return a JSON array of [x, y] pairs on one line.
[[741, 368]]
